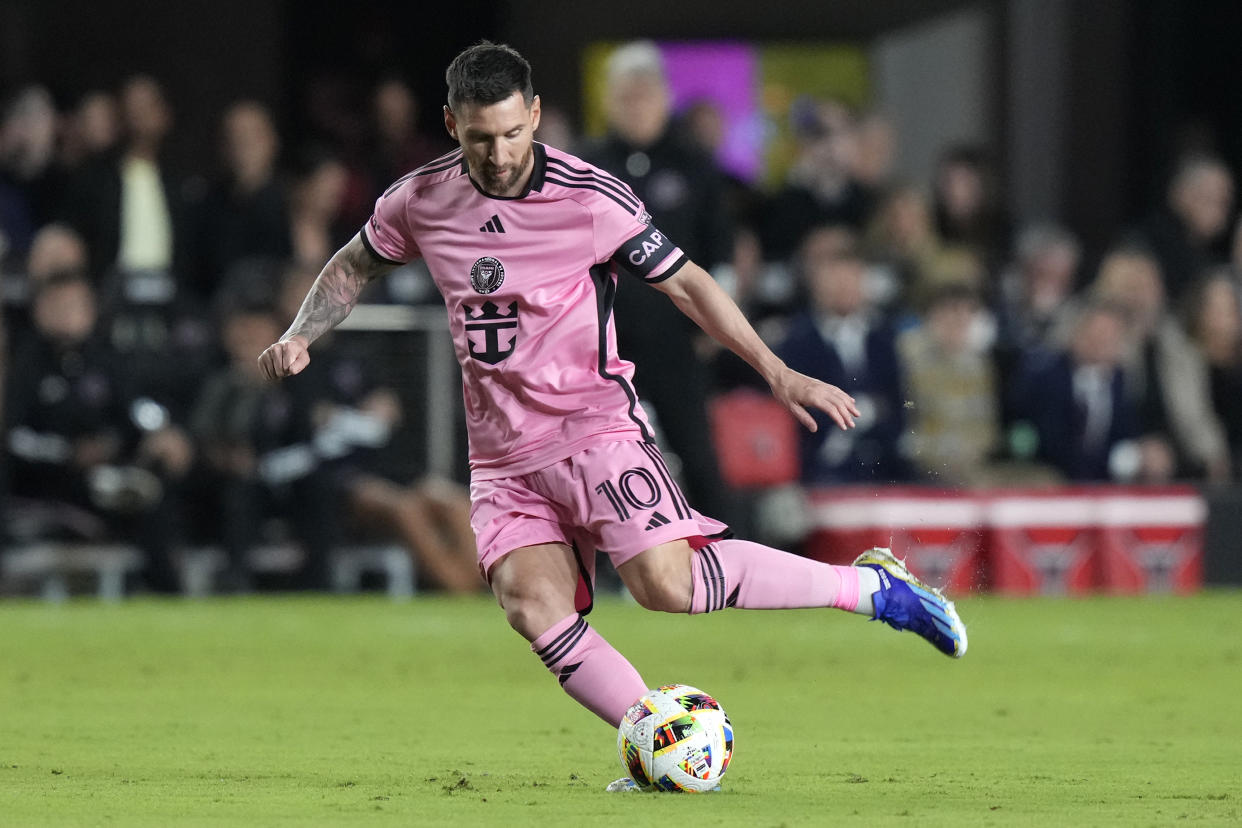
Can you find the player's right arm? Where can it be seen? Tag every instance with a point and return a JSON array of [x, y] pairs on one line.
[[330, 300]]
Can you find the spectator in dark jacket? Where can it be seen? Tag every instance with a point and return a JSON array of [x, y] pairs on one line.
[[244, 215], [841, 341], [129, 205], [1187, 233], [257, 445], [820, 188], [1077, 402], [77, 447]]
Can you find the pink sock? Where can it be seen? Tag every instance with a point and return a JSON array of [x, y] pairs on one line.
[[591, 671], [738, 573]]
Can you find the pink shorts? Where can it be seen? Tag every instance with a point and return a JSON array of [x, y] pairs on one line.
[[618, 498]]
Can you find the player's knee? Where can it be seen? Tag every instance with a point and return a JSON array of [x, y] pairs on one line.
[[532, 614], [660, 578], [663, 596]]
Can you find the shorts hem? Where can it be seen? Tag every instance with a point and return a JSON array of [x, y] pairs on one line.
[[502, 546], [686, 530]]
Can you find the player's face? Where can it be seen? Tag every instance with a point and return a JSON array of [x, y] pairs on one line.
[[498, 141]]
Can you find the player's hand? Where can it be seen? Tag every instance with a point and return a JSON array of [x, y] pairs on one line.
[[798, 392], [285, 358]]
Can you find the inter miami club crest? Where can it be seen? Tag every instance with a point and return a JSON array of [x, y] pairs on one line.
[[487, 274], [491, 331]]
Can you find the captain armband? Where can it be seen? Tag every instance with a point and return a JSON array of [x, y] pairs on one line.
[[650, 255]]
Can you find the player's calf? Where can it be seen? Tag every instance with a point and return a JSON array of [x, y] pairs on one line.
[[588, 668]]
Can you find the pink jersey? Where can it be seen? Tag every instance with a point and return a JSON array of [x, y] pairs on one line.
[[528, 283]]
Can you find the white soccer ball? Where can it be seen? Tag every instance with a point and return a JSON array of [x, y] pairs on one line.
[[675, 738]]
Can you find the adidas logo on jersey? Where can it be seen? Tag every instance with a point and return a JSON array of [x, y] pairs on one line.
[[493, 226], [657, 520]]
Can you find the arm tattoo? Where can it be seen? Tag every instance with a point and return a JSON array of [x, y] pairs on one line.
[[336, 291]]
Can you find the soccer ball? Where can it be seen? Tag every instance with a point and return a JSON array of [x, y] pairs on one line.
[[675, 738]]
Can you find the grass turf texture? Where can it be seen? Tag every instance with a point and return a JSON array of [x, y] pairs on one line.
[[271, 711]]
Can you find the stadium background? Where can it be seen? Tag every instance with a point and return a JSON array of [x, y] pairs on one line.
[[1082, 108], [353, 709], [1047, 76]]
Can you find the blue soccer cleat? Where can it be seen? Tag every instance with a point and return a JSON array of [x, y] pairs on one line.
[[906, 603]]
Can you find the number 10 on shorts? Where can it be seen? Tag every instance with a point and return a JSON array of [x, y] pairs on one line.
[[636, 488]]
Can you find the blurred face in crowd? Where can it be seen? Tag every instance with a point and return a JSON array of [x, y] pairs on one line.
[[1218, 322], [907, 219], [1049, 274], [65, 312], [875, 150], [842, 134], [555, 130], [960, 187], [1098, 339], [28, 132], [1203, 197], [638, 107], [836, 286], [97, 122], [395, 111], [706, 124], [145, 111], [828, 144], [250, 143], [498, 141], [747, 259], [1133, 281], [321, 191], [55, 248]]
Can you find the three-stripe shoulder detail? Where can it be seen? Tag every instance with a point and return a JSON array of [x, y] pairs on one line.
[[566, 175], [442, 164]]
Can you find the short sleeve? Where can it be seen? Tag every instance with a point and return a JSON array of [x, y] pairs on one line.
[[386, 234], [633, 243]]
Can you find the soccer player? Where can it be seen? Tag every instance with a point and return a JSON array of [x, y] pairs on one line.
[[526, 243]]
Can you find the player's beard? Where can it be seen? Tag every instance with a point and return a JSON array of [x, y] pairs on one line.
[[496, 183]]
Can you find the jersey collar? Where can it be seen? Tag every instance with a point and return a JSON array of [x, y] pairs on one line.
[[535, 184]]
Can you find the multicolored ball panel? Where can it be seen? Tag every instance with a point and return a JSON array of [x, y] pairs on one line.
[[676, 738], [632, 759]]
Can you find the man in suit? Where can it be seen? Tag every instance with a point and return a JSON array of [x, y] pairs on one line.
[[1076, 399], [840, 340]]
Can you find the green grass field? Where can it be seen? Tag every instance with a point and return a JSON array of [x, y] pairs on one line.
[[356, 711]]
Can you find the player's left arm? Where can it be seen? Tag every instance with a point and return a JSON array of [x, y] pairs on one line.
[[333, 295], [698, 296]]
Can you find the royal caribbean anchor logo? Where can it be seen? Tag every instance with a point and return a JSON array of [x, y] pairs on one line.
[[487, 328]]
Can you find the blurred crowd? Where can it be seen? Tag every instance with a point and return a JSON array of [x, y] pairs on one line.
[[982, 351]]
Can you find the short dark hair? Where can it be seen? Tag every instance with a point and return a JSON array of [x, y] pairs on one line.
[[487, 73]]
